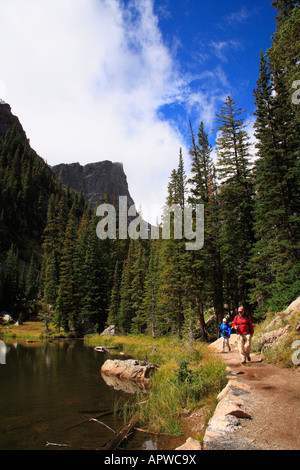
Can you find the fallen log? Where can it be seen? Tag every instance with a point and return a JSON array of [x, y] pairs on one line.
[[121, 435], [105, 348]]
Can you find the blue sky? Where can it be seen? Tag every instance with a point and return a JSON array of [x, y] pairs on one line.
[[118, 80], [217, 44]]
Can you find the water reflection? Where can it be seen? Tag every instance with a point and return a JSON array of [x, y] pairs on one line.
[[127, 386], [47, 392]]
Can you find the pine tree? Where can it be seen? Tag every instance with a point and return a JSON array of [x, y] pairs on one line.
[[98, 274], [66, 312], [202, 261], [235, 195], [79, 262], [151, 290], [201, 167], [177, 186], [114, 304], [274, 266], [173, 256], [10, 282], [126, 312], [31, 283], [52, 248], [137, 287]]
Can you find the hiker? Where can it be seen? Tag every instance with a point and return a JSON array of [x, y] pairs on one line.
[[242, 323], [225, 334]]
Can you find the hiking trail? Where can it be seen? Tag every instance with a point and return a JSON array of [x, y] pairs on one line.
[[271, 398]]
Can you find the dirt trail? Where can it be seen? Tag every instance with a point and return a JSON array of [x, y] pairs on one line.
[[273, 401]]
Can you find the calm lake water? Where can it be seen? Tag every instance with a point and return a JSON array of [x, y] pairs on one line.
[[50, 392]]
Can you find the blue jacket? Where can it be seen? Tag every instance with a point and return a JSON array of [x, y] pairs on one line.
[[225, 330]]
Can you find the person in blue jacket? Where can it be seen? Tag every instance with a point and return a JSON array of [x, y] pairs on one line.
[[225, 334]]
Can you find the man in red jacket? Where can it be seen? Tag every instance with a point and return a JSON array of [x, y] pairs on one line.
[[242, 323]]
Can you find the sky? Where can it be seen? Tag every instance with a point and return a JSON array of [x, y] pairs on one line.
[[119, 80]]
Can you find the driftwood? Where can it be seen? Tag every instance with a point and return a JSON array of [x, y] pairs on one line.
[[121, 435], [58, 445], [105, 348], [92, 419], [103, 424]]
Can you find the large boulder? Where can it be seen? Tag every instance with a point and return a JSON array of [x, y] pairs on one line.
[[279, 327], [109, 331], [129, 369], [5, 317]]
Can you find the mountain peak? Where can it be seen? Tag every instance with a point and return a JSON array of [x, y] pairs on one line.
[[9, 121], [100, 182]]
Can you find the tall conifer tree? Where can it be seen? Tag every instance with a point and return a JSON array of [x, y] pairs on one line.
[[274, 266], [235, 194]]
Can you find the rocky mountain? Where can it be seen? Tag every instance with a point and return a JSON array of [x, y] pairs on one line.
[[100, 182], [8, 121]]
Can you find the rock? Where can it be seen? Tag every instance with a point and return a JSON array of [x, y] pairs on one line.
[[6, 317], [109, 331], [190, 444], [8, 121], [97, 180], [226, 419], [217, 345], [233, 387], [232, 443], [129, 369], [292, 309], [273, 337], [127, 386]]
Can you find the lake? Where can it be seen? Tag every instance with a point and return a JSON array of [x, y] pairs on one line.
[[49, 393]]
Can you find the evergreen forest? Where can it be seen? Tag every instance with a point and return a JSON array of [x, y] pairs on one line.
[[52, 261]]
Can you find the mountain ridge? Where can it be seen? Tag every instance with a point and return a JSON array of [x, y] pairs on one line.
[[102, 181], [8, 121]]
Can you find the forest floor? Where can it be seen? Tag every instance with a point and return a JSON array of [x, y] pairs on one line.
[[273, 401]]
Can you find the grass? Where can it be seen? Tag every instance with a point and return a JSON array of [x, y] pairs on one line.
[[31, 330], [279, 354], [187, 378]]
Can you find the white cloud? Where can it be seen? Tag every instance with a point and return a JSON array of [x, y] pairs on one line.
[[221, 48], [86, 79], [239, 16]]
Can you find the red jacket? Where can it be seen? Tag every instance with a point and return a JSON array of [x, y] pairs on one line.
[[243, 325]]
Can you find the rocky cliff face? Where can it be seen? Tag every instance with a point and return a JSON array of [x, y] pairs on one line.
[[8, 121], [100, 182]]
